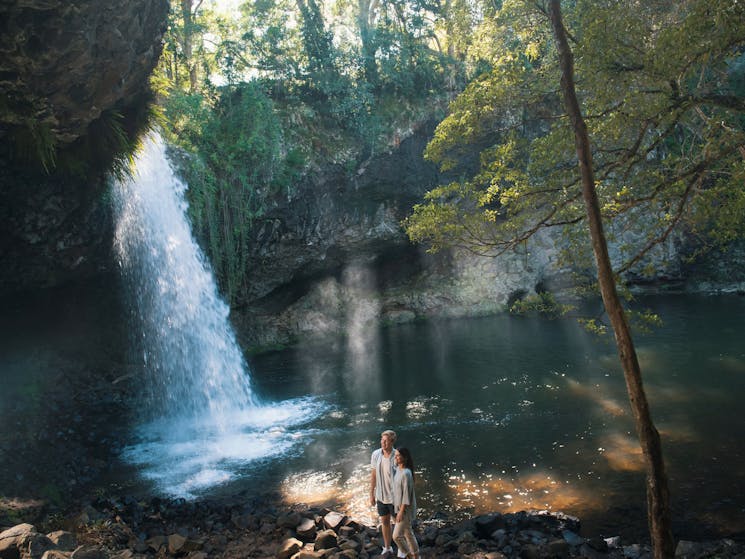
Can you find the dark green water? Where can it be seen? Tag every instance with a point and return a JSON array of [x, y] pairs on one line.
[[506, 413], [501, 413]]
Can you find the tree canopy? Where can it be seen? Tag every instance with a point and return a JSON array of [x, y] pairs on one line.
[[661, 87]]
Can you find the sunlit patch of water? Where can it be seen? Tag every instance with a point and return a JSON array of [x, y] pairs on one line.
[[599, 396], [678, 432], [512, 491], [422, 407], [311, 487], [622, 452]]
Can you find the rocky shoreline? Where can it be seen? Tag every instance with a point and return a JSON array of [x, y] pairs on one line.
[[127, 528]]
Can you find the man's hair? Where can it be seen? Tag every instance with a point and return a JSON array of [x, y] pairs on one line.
[[389, 433]]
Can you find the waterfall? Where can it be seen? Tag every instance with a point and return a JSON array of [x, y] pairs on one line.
[[202, 418], [186, 338]]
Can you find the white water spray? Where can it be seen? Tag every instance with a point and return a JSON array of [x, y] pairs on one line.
[[204, 421]]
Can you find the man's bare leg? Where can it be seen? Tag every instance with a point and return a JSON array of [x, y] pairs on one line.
[[385, 522]]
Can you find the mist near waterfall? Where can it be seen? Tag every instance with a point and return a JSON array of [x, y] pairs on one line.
[[203, 421]]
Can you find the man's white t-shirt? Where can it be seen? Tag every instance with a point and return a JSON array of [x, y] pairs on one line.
[[384, 472]]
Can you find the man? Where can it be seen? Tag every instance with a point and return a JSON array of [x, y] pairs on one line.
[[383, 462]]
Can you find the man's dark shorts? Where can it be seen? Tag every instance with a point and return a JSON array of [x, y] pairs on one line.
[[384, 509]]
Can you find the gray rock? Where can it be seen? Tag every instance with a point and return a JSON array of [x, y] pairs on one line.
[[13, 539], [57, 554], [176, 543], [333, 520], [487, 524], [66, 541], [36, 545], [289, 548], [347, 531], [306, 530], [531, 551], [633, 551], [325, 539], [686, 549], [290, 520], [304, 554], [90, 552], [559, 548], [156, 542], [571, 538]]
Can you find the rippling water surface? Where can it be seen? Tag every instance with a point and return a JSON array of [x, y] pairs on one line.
[[500, 413], [508, 413]]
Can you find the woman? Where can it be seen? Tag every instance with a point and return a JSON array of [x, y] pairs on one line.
[[404, 504]]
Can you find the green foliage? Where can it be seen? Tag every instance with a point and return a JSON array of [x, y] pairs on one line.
[[52, 494], [542, 303], [594, 326], [257, 96], [237, 164], [664, 107], [108, 144], [36, 143]]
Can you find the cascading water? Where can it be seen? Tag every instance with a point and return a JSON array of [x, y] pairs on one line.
[[204, 421]]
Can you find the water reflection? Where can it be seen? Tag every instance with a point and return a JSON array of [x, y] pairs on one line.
[[506, 414], [622, 452]]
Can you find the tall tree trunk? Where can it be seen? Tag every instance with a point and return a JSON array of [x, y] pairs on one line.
[[658, 497], [187, 41], [365, 18]]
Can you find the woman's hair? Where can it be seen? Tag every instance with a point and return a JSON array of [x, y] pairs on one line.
[[408, 461]]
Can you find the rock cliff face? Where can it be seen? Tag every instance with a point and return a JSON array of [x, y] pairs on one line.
[[62, 64], [334, 259]]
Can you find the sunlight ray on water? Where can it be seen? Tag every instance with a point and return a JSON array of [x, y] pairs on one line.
[[203, 420]]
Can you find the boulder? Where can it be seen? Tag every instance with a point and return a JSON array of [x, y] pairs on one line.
[[571, 538], [486, 524], [289, 548], [559, 548], [176, 543], [13, 539], [306, 530], [65, 541], [325, 539], [36, 545], [90, 552], [156, 542], [333, 520], [57, 554], [290, 520]]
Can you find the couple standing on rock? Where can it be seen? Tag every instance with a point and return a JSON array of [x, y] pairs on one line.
[[392, 492]]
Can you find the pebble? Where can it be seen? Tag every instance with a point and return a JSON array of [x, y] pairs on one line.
[[163, 530]]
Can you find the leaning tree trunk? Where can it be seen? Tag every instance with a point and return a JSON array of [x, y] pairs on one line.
[[658, 497]]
